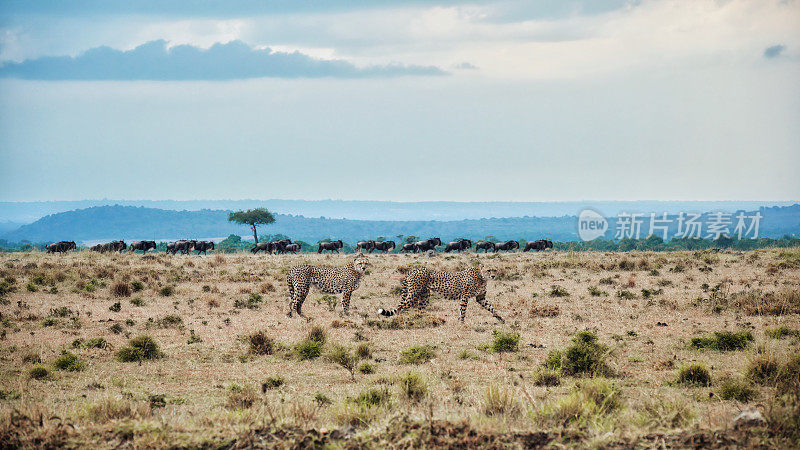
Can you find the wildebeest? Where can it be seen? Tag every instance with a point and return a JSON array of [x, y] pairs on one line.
[[333, 246], [385, 246], [409, 248], [427, 244], [458, 246], [294, 248], [541, 244], [506, 246], [365, 246], [203, 246], [265, 247], [61, 247], [485, 246], [144, 246], [183, 246], [280, 246], [113, 246]]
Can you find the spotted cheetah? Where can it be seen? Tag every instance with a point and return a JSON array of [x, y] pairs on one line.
[[453, 285], [332, 280]]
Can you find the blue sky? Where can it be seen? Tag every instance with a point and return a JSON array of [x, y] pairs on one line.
[[484, 100]]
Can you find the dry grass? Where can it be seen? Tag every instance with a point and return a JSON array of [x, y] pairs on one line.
[[211, 363]]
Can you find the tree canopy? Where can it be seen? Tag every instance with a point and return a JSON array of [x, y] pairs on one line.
[[253, 218]]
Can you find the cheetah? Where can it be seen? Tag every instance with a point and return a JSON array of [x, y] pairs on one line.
[[332, 280], [453, 285]]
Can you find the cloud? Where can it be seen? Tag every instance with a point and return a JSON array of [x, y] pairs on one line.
[[155, 60], [465, 66], [774, 51]]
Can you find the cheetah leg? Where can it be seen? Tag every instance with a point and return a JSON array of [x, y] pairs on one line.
[[346, 302], [300, 294], [407, 300], [462, 308], [481, 299]]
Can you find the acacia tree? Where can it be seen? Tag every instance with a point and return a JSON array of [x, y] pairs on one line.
[[253, 218]]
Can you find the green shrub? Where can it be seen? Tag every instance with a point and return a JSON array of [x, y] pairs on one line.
[[732, 389], [166, 291], [586, 356], [322, 399], [317, 334], [272, 383], [695, 374], [366, 368], [69, 362], [261, 343], [558, 291], [626, 294], [498, 401], [139, 348], [505, 342], [364, 350], [374, 397], [341, 356], [417, 355], [96, 343], [546, 377], [170, 321], [308, 349], [116, 307], [781, 332], [588, 401], [137, 286], [138, 301], [724, 340], [764, 369], [252, 302], [241, 397], [413, 386], [38, 372]]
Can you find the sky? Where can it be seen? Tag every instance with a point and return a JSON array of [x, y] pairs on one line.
[[400, 100]]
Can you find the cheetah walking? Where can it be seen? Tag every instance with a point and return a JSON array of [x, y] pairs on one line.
[[453, 285], [331, 280]]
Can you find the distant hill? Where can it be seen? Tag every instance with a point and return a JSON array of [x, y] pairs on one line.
[[28, 212], [130, 223]]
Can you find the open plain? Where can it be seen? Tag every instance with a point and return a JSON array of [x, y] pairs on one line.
[[598, 349]]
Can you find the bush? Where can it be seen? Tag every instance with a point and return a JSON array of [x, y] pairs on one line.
[[137, 286], [558, 291], [341, 356], [374, 397], [139, 349], [240, 397], [38, 372], [322, 399], [724, 340], [272, 383], [69, 362], [505, 341], [694, 375], [366, 368], [121, 289], [317, 334], [546, 377], [261, 343], [252, 302], [364, 351], [781, 332], [732, 389], [586, 356], [138, 301], [96, 343], [417, 355], [587, 401], [308, 349], [764, 369], [413, 387], [166, 291], [498, 401], [170, 321], [116, 307]]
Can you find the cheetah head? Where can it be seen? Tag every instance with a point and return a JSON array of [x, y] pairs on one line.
[[490, 273], [360, 263]]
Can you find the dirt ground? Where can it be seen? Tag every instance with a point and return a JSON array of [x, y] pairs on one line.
[[210, 389]]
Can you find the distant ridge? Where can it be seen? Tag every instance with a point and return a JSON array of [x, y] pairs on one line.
[[28, 212], [130, 222]]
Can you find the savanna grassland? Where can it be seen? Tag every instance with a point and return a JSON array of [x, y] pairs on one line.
[[598, 349]]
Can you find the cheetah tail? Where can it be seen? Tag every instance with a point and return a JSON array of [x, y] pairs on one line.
[[387, 312]]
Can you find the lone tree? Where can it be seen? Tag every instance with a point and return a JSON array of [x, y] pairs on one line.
[[252, 217]]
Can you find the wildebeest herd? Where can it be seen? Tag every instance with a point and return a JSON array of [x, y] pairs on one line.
[[186, 246]]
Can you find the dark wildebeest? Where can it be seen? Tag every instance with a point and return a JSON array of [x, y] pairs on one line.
[[294, 248], [409, 248], [458, 246], [365, 246], [113, 246], [541, 244], [385, 246], [333, 246], [427, 244], [97, 248], [280, 246], [144, 246], [265, 247], [61, 247], [203, 246], [485, 246], [183, 246], [506, 246]]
